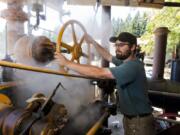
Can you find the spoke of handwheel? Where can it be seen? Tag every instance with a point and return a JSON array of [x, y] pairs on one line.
[[81, 41], [74, 34], [89, 53], [84, 55], [68, 47]]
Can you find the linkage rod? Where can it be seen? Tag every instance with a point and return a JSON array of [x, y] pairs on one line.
[[42, 70]]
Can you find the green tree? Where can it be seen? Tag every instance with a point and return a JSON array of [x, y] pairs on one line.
[[167, 17], [133, 24], [139, 24]]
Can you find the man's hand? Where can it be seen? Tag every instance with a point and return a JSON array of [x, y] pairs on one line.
[[60, 59], [102, 51]]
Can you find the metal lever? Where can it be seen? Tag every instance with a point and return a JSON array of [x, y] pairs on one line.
[[42, 111], [46, 107]]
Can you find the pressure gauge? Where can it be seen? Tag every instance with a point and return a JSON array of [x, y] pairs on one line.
[[37, 5]]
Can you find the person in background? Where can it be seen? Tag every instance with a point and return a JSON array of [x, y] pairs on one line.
[[139, 54], [130, 78]]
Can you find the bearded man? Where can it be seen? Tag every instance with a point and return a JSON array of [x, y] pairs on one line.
[[130, 78]]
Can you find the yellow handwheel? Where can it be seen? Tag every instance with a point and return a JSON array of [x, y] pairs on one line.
[[75, 46]]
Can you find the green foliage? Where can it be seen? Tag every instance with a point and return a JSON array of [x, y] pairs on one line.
[[167, 17], [143, 25], [136, 24]]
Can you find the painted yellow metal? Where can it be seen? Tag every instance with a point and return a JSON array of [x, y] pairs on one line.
[[42, 70], [98, 124], [61, 32], [76, 49], [5, 99], [8, 85], [2, 107], [69, 48]]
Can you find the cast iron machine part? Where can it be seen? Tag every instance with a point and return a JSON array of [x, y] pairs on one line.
[[107, 86], [43, 50], [7, 73], [43, 111], [24, 121], [6, 92], [40, 50], [100, 127], [90, 120], [5, 110]]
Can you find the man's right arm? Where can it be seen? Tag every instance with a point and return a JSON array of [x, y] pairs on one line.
[[102, 51]]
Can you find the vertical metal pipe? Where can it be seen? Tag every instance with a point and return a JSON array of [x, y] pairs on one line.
[[161, 34], [15, 17], [105, 33], [106, 29]]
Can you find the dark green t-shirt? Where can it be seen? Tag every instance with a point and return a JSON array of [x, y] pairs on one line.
[[132, 87]]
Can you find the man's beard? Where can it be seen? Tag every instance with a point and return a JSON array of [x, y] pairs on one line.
[[123, 56]]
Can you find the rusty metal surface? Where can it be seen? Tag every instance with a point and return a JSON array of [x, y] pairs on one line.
[[161, 34], [56, 122], [43, 49], [53, 123], [14, 121], [45, 116], [34, 49]]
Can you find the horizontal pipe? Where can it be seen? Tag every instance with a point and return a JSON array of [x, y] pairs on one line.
[[42, 70], [164, 86], [172, 4], [98, 124], [164, 93], [154, 85]]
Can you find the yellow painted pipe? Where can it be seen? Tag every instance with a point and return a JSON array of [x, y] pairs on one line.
[[42, 70], [5, 85], [98, 124]]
